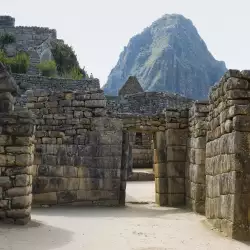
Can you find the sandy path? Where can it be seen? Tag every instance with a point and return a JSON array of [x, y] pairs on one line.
[[138, 227]]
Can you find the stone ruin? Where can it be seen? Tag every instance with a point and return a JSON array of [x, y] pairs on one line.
[[63, 142], [66, 147], [36, 41]]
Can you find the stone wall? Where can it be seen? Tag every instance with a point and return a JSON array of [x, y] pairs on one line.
[[196, 156], [78, 150], [26, 82], [26, 37], [228, 154], [148, 103], [16, 155], [7, 21]]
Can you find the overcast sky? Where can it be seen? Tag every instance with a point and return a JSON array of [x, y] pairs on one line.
[[99, 29]]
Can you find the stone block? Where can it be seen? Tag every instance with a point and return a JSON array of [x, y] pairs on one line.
[[176, 200], [160, 140], [52, 171], [95, 103], [19, 129], [227, 228], [161, 199], [20, 150], [110, 184], [73, 183], [4, 204], [24, 160], [176, 137], [66, 196], [21, 201], [226, 207], [70, 171], [197, 173], [241, 123], [45, 198], [199, 142], [198, 192], [5, 140], [5, 182], [18, 191], [89, 184], [216, 186], [18, 213], [24, 140], [23, 180], [176, 185], [18, 170], [49, 184], [176, 169], [161, 185], [159, 156], [3, 160], [76, 103], [160, 170], [176, 153], [197, 156]]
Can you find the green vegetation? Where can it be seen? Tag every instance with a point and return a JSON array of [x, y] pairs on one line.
[[6, 39], [18, 64], [47, 68], [75, 73], [66, 61]]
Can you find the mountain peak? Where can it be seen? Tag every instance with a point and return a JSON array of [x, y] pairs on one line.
[[169, 56]]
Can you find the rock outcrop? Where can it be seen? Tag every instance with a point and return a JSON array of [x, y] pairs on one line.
[[168, 56]]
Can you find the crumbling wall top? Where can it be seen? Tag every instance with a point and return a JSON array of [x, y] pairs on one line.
[[7, 21]]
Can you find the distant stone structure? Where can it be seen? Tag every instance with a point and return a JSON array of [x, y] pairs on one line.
[[132, 86], [63, 142], [132, 99], [36, 41]]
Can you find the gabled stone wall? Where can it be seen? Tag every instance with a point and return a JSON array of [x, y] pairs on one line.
[[78, 150]]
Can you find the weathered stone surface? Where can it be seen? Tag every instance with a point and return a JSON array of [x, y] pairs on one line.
[[45, 198], [18, 191], [21, 201], [161, 185], [176, 153], [23, 180]]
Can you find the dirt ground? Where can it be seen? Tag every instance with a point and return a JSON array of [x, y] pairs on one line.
[[137, 226]]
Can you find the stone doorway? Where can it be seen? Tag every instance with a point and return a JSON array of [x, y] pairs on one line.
[[142, 157], [139, 131], [169, 131]]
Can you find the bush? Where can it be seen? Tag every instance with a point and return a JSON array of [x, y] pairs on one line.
[[76, 74], [47, 68], [18, 64], [6, 39], [64, 57], [3, 57]]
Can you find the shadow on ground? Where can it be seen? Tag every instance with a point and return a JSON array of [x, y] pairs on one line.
[[35, 235], [130, 210]]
